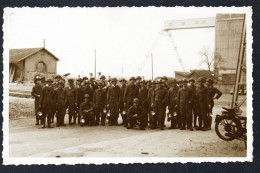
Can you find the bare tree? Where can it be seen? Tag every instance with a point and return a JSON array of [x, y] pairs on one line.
[[212, 60]]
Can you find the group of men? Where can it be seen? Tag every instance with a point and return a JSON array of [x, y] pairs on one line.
[[139, 102]]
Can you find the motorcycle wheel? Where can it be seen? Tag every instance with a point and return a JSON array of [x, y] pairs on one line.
[[228, 128]]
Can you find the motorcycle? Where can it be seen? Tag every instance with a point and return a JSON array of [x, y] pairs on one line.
[[231, 125]]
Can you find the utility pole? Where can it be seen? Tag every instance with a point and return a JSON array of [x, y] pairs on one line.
[[44, 43], [95, 65], [152, 65]]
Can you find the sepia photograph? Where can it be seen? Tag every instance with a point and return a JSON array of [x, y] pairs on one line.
[[127, 85]]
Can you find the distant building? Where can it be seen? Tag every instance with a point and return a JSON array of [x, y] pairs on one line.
[[25, 63], [195, 74]]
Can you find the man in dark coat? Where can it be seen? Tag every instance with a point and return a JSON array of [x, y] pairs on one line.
[[36, 93], [194, 104], [184, 100], [99, 101], [173, 94], [135, 115], [204, 105], [47, 103], [122, 106], [71, 101], [131, 92], [143, 101], [61, 99], [113, 100], [159, 102], [213, 93], [86, 111]]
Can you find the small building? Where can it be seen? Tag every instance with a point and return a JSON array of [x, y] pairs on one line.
[[195, 74], [25, 63]]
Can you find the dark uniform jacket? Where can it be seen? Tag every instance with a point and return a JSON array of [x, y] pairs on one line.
[[143, 97], [203, 97], [194, 94], [99, 99], [113, 96], [88, 91], [36, 91], [71, 94], [173, 94], [131, 92], [47, 99], [134, 110], [61, 96], [85, 106], [79, 95], [122, 93], [160, 97], [184, 95], [212, 91], [150, 95]]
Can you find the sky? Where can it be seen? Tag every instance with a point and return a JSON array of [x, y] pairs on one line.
[[122, 37]]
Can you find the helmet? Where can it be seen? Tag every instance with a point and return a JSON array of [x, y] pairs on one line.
[[209, 80], [70, 80], [138, 78], [92, 79], [201, 79], [114, 80], [102, 77], [191, 80], [49, 80], [123, 79], [57, 76], [132, 78], [184, 81], [79, 79], [85, 78], [136, 100]]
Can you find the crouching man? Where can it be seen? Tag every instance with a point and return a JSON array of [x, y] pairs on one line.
[[86, 112], [135, 115]]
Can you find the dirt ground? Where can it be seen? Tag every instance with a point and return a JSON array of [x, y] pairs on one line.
[[28, 140]]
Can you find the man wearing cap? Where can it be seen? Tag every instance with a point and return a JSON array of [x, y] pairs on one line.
[[93, 83], [113, 100], [131, 92], [57, 79], [61, 99], [36, 93], [103, 80], [86, 111], [99, 101], [138, 79], [79, 97], [159, 103], [135, 114], [164, 81], [173, 94], [213, 93], [184, 100], [149, 84], [122, 107], [47, 103], [143, 101], [194, 104], [202, 92], [71, 101]]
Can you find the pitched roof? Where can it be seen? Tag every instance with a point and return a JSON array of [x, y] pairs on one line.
[[16, 55], [202, 73], [184, 74]]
